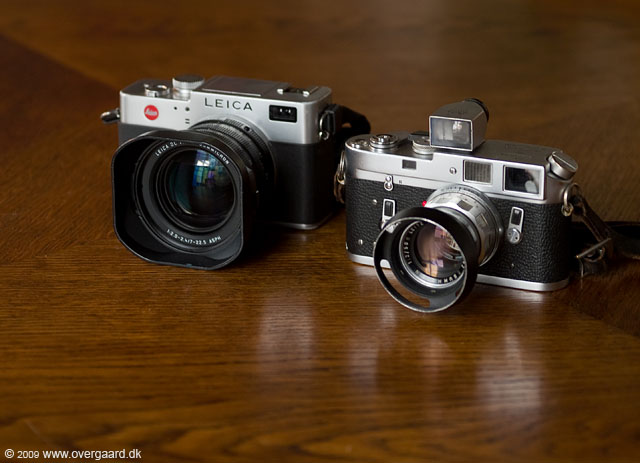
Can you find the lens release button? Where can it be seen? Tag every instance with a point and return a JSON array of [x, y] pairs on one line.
[[513, 236]]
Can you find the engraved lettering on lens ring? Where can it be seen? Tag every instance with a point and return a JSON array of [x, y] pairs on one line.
[[192, 241], [218, 153], [151, 112], [414, 268], [159, 151], [144, 205], [163, 148]]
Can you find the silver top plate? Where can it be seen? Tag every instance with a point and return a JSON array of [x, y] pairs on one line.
[[501, 165], [222, 97]]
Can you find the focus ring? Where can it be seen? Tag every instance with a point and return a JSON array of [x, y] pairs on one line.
[[253, 151]]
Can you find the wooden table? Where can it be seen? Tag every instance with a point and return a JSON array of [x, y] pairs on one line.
[[296, 354]]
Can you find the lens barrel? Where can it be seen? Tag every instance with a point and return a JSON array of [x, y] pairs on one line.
[[435, 251]]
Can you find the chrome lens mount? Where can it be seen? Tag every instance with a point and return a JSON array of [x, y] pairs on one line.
[[478, 209]]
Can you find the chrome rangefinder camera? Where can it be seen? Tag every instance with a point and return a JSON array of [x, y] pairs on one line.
[[201, 162], [446, 208]]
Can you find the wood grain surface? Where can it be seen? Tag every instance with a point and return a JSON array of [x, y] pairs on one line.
[[294, 353]]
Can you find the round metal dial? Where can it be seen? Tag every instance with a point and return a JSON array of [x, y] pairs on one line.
[[187, 82], [562, 165]]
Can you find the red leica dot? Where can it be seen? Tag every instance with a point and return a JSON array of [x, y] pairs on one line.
[[151, 112]]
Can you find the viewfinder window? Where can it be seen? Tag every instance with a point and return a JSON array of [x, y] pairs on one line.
[[451, 133], [522, 180]]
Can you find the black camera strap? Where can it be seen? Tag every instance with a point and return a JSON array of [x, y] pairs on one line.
[[597, 241], [343, 123]]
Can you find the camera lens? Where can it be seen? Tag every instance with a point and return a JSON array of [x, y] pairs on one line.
[[430, 254], [435, 251], [190, 197], [195, 190]]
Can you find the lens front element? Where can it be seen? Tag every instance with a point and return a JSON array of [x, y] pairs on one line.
[[431, 255], [195, 190]]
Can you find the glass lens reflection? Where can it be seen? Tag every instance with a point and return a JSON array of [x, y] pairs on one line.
[[199, 189], [437, 253]]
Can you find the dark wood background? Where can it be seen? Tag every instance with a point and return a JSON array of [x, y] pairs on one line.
[[296, 354]]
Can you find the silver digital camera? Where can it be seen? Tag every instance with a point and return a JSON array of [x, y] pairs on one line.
[[443, 208], [201, 162]]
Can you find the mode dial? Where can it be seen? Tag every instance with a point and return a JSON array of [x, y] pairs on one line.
[[187, 82]]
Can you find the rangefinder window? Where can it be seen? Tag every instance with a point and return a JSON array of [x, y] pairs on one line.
[[479, 172]]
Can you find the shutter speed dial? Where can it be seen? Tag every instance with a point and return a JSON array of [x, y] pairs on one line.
[[184, 84]]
